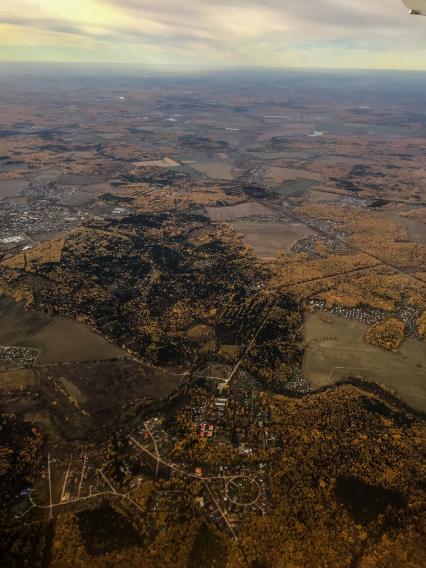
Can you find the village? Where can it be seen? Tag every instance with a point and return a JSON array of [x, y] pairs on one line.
[[225, 490], [18, 357], [369, 316]]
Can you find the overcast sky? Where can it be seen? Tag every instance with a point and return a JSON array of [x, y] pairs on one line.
[[271, 33]]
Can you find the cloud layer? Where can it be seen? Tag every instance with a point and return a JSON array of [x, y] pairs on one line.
[[318, 33]]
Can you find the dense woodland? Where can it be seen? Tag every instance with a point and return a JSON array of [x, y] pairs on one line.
[[174, 290], [339, 497], [347, 486], [21, 455]]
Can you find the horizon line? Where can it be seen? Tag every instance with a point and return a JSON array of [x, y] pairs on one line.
[[209, 67]]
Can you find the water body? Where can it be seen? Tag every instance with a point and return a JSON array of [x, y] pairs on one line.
[[59, 339], [336, 349]]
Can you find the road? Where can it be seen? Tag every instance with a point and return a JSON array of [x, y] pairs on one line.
[[66, 479], [82, 475], [52, 505], [218, 507], [249, 345], [126, 496], [232, 481], [352, 271], [107, 481], [193, 476], [297, 219], [160, 460], [330, 276], [155, 447], [50, 486]]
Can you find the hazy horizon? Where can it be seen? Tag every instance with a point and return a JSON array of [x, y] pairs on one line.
[[183, 69]]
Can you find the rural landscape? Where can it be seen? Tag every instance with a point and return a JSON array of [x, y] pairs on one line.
[[212, 319]]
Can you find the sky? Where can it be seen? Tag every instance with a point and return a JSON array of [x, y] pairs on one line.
[[365, 34]]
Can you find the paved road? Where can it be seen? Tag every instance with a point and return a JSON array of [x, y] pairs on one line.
[[50, 486], [191, 475]]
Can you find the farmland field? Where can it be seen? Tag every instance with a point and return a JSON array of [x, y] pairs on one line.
[[336, 349], [59, 339], [241, 210], [269, 239], [215, 170]]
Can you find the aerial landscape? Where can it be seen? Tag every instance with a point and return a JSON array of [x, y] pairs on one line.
[[213, 319], [212, 313]]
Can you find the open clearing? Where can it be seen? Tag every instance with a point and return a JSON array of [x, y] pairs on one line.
[[17, 379], [215, 170], [336, 349], [242, 210], [282, 155], [295, 186], [77, 199], [269, 239], [77, 179], [99, 188], [416, 229], [320, 196], [45, 176], [59, 339], [164, 163], [11, 187], [279, 175], [102, 388]]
